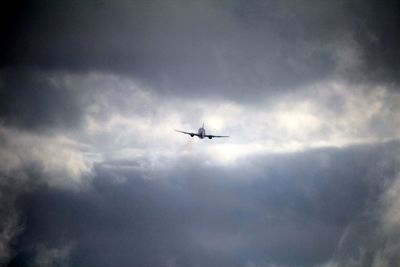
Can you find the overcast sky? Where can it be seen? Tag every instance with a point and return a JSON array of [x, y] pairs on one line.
[[92, 172]]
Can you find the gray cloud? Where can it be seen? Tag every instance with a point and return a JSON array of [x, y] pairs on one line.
[[293, 211], [26, 162], [221, 48], [31, 100], [10, 224]]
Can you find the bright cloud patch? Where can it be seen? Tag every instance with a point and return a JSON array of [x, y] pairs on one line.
[[122, 115], [58, 160]]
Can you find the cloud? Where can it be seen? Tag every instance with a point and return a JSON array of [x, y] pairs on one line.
[[51, 257], [32, 100], [57, 160], [124, 116], [289, 210], [137, 175], [117, 117], [217, 49], [371, 239], [92, 172], [9, 224], [28, 161]]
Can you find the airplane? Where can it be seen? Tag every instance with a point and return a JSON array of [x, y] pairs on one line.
[[201, 133]]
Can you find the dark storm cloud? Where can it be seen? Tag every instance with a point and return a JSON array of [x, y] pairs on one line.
[[234, 49], [31, 100], [288, 210], [377, 32], [9, 222], [223, 46]]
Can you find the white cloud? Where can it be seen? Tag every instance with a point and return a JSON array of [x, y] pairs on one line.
[[28, 159], [58, 160], [123, 118], [123, 115]]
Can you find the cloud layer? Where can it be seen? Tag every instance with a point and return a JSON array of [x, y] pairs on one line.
[[220, 48], [307, 208], [92, 172]]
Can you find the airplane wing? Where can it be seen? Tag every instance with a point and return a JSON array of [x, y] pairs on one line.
[[212, 136], [191, 134]]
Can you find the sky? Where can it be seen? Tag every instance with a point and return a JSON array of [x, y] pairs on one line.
[[92, 172]]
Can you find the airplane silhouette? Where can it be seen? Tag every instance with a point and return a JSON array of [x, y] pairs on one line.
[[201, 133]]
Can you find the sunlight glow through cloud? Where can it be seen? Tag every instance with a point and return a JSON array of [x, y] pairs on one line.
[[323, 115]]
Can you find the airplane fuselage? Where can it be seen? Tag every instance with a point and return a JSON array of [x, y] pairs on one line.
[[201, 132]]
